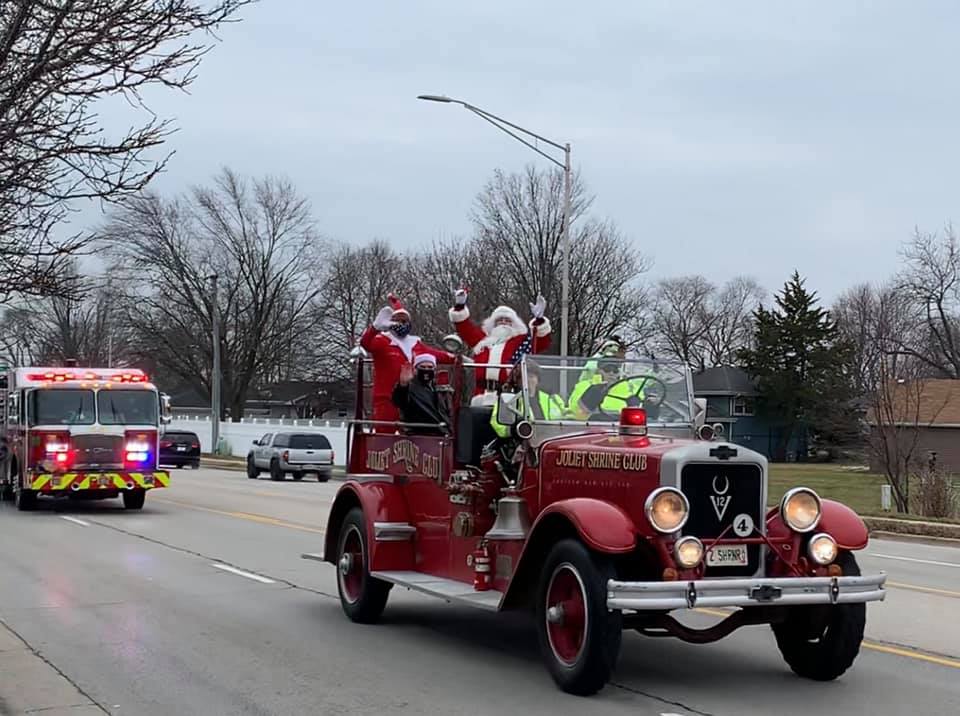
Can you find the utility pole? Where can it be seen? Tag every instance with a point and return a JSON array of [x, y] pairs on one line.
[[215, 376], [565, 296]]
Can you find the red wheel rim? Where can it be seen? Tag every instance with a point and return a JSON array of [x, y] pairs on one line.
[[350, 566], [566, 614]]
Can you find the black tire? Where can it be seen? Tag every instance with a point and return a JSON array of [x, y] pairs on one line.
[[25, 500], [195, 465], [323, 477], [298, 476], [362, 597], [134, 499], [252, 472], [276, 474], [587, 668], [821, 643]]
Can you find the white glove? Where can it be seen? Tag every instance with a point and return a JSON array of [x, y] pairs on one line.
[[539, 307], [384, 319], [460, 297]]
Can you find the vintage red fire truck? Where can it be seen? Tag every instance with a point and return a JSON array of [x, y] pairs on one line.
[[618, 511], [81, 433]]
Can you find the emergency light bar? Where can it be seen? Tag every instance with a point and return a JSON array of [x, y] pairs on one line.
[[51, 376]]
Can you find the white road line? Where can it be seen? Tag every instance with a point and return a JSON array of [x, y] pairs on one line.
[[75, 521], [241, 573], [914, 559]]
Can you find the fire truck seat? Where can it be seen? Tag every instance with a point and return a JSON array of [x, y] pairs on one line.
[[473, 432]]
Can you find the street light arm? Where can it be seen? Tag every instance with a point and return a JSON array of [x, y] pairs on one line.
[[490, 116], [486, 118]]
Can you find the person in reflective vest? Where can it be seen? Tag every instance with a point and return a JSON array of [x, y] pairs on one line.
[[590, 395], [612, 347], [546, 406]]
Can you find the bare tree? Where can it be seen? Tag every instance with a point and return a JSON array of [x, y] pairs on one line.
[[258, 238], [57, 60], [932, 280], [899, 410], [730, 323], [682, 318], [518, 221], [352, 289]]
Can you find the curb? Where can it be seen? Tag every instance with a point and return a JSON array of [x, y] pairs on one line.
[[240, 466]]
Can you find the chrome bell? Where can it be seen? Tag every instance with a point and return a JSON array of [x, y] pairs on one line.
[[513, 520]]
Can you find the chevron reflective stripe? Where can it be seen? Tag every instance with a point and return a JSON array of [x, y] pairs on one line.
[[161, 479], [118, 480], [39, 481], [92, 481]]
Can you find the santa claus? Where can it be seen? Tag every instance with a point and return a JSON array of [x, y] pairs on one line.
[[392, 346], [502, 340]]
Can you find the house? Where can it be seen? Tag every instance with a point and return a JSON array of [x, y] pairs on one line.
[[731, 397], [286, 399], [924, 417]]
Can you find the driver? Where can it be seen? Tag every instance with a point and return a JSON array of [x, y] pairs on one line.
[[606, 391]]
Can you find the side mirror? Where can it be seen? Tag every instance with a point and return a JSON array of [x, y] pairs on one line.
[[166, 412], [453, 344], [507, 412], [256, 442]]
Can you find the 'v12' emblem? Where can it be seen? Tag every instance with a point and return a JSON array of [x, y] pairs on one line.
[[720, 500]]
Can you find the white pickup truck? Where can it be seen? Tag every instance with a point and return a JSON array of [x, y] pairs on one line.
[[294, 453]]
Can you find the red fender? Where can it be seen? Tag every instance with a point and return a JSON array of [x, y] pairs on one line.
[[843, 524], [380, 502], [836, 519], [602, 526]]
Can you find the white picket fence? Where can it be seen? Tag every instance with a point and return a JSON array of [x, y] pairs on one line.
[[239, 437]]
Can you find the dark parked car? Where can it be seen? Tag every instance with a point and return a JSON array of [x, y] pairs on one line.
[[180, 448]]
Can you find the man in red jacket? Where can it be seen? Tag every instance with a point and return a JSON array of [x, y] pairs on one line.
[[390, 344], [503, 340]]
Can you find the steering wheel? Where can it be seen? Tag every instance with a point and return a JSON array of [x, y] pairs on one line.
[[638, 393]]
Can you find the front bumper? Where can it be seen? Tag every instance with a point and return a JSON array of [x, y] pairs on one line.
[[77, 481], [747, 592]]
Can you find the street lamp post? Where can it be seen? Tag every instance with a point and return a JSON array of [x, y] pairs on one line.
[[567, 167], [215, 377]]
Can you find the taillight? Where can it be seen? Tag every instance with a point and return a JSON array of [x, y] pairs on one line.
[[633, 421], [333, 456], [194, 445], [286, 456], [166, 444]]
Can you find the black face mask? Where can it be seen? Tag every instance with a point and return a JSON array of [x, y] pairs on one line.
[[425, 376]]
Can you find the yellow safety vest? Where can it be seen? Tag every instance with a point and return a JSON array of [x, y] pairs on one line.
[[551, 406], [614, 401]]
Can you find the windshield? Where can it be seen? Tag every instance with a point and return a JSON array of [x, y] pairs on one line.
[[61, 407], [127, 407], [596, 390]]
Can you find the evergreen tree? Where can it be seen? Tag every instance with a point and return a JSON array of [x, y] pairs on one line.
[[802, 369]]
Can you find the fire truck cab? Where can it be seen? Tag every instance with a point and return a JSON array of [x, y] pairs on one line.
[[81, 433], [608, 504]]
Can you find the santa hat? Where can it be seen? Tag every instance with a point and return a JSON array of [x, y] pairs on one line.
[[424, 359], [504, 312], [398, 310]]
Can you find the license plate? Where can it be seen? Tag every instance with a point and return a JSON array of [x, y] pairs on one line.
[[182, 448], [728, 555]]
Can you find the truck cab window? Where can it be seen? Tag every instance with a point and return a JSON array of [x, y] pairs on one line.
[[127, 407], [61, 407]]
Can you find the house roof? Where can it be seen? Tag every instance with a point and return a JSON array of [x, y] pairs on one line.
[[723, 380], [931, 402]]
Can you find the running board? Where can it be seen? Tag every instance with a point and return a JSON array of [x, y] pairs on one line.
[[448, 589]]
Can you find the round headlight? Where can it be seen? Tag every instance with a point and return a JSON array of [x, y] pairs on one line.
[[688, 551], [822, 549], [667, 509], [800, 509]]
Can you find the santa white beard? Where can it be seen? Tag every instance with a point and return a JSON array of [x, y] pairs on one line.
[[502, 333]]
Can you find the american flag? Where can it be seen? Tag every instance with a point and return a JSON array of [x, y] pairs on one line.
[[525, 347]]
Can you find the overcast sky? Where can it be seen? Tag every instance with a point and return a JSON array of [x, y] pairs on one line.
[[721, 137]]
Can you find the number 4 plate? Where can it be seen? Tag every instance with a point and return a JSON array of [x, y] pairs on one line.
[[728, 555]]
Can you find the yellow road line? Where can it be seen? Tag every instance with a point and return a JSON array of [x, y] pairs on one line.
[[250, 517], [910, 654], [918, 588], [871, 645]]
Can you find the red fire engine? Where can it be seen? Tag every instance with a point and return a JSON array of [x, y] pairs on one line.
[[617, 512], [80, 432]]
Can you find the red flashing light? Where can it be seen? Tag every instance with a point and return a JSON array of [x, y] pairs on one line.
[[633, 421], [62, 457]]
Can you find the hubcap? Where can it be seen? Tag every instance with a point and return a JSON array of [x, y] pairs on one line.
[[567, 619], [350, 565]]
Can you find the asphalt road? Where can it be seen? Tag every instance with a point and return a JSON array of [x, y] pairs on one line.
[[142, 612]]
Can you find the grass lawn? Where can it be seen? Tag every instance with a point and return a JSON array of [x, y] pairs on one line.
[[857, 489]]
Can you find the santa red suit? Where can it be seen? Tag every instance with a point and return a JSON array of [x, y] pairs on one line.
[[392, 348], [499, 344]]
